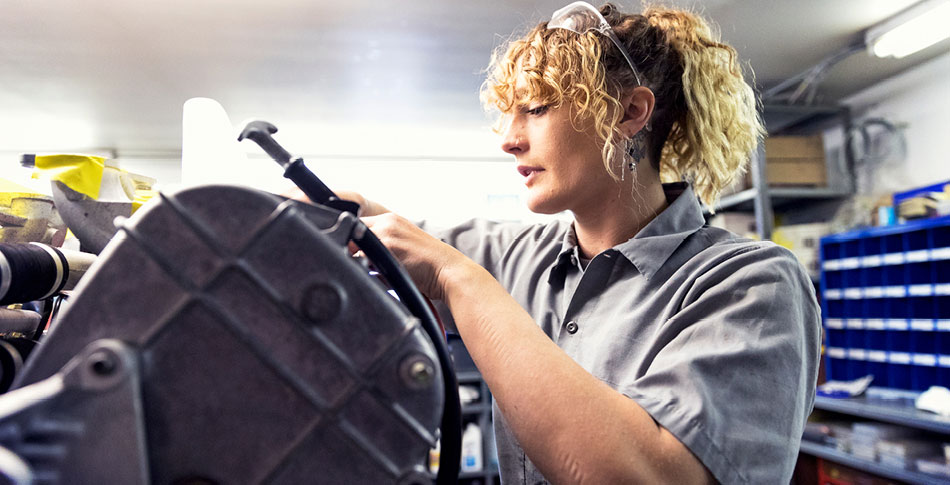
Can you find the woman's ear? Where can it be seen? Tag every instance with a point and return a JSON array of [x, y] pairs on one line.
[[637, 109]]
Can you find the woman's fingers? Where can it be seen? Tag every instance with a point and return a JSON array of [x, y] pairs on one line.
[[366, 206], [296, 194], [353, 197], [421, 254]]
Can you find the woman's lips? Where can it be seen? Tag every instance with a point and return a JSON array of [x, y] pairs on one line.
[[526, 171], [529, 173]]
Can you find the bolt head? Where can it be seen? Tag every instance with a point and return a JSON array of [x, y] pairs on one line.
[[322, 302], [421, 372], [102, 363], [417, 371]]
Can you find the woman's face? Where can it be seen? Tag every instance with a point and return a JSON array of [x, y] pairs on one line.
[[561, 161]]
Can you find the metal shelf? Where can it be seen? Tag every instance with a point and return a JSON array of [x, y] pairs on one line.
[[736, 201], [896, 414], [781, 196], [763, 200], [487, 472], [779, 117], [475, 408], [836, 456], [468, 376], [478, 412]]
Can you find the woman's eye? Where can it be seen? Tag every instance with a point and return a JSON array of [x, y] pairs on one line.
[[537, 110]]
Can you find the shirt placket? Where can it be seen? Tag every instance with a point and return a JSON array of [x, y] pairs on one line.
[[584, 301]]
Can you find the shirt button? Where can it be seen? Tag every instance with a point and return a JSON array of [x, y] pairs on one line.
[[572, 327]]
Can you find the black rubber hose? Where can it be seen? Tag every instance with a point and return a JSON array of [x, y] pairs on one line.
[[450, 456], [411, 297], [30, 272]]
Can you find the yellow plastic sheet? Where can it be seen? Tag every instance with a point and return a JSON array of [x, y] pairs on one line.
[[141, 197], [82, 173], [10, 190]]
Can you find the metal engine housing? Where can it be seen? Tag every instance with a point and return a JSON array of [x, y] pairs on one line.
[[263, 352]]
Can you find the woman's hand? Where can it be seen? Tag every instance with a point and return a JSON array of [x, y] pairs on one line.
[[367, 207], [426, 258]]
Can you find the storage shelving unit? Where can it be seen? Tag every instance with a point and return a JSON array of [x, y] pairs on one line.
[[781, 117], [886, 311], [764, 200], [889, 413], [781, 197], [843, 458], [898, 414], [886, 304], [478, 412]]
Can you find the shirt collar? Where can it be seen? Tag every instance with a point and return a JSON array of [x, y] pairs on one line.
[[655, 243], [568, 249]]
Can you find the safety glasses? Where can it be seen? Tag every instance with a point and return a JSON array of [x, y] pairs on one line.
[[582, 17]]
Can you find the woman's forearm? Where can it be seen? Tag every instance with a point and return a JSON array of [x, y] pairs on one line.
[[572, 426]]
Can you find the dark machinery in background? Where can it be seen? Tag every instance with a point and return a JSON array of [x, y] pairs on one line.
[[226, 335]]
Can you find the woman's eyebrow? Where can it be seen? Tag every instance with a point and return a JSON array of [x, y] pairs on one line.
[[521, 95]]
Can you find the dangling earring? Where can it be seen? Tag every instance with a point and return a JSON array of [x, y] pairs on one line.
[[634, 151]]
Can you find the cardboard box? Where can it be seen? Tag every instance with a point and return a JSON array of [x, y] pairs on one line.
[[789, 161], [796, 160], [786, 171]]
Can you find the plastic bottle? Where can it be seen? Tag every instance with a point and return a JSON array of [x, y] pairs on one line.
[[435, 455], [472, 448]]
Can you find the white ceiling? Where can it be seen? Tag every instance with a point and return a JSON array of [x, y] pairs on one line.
[[113, 74]]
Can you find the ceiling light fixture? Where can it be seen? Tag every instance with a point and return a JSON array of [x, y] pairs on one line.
[[913, 29]]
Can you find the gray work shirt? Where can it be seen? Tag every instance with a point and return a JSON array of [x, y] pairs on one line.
[[715, 336]]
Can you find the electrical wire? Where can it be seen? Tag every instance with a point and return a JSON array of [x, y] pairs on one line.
[[806, 82], [872, 141]]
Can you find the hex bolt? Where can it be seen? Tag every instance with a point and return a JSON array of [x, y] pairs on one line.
[[322, 302], [103, 363], [417, 371], [421, 372]]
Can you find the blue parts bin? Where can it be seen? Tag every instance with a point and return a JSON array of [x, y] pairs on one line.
[[886, 304]]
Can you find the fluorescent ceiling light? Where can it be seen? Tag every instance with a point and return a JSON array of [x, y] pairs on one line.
[[920, 26]]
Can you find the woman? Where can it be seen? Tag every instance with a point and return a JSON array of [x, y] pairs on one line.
[[635, 344]]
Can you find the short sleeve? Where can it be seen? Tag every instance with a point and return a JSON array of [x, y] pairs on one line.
[[480, 240], [735, 381]]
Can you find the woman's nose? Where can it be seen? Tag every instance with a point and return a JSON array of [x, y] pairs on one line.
[[514, 143]]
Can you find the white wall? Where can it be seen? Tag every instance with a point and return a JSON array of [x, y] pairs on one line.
[[918, 102], [440, 174], [446, 174], [443, 174]]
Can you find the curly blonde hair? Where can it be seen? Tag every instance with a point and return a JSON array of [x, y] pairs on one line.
[[705, 123]]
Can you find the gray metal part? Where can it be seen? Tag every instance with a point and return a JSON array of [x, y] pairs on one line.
[[90, 430], [92, 221], [212, 287], [18, 321]]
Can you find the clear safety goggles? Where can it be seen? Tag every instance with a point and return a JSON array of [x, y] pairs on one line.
[[582, 17]]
